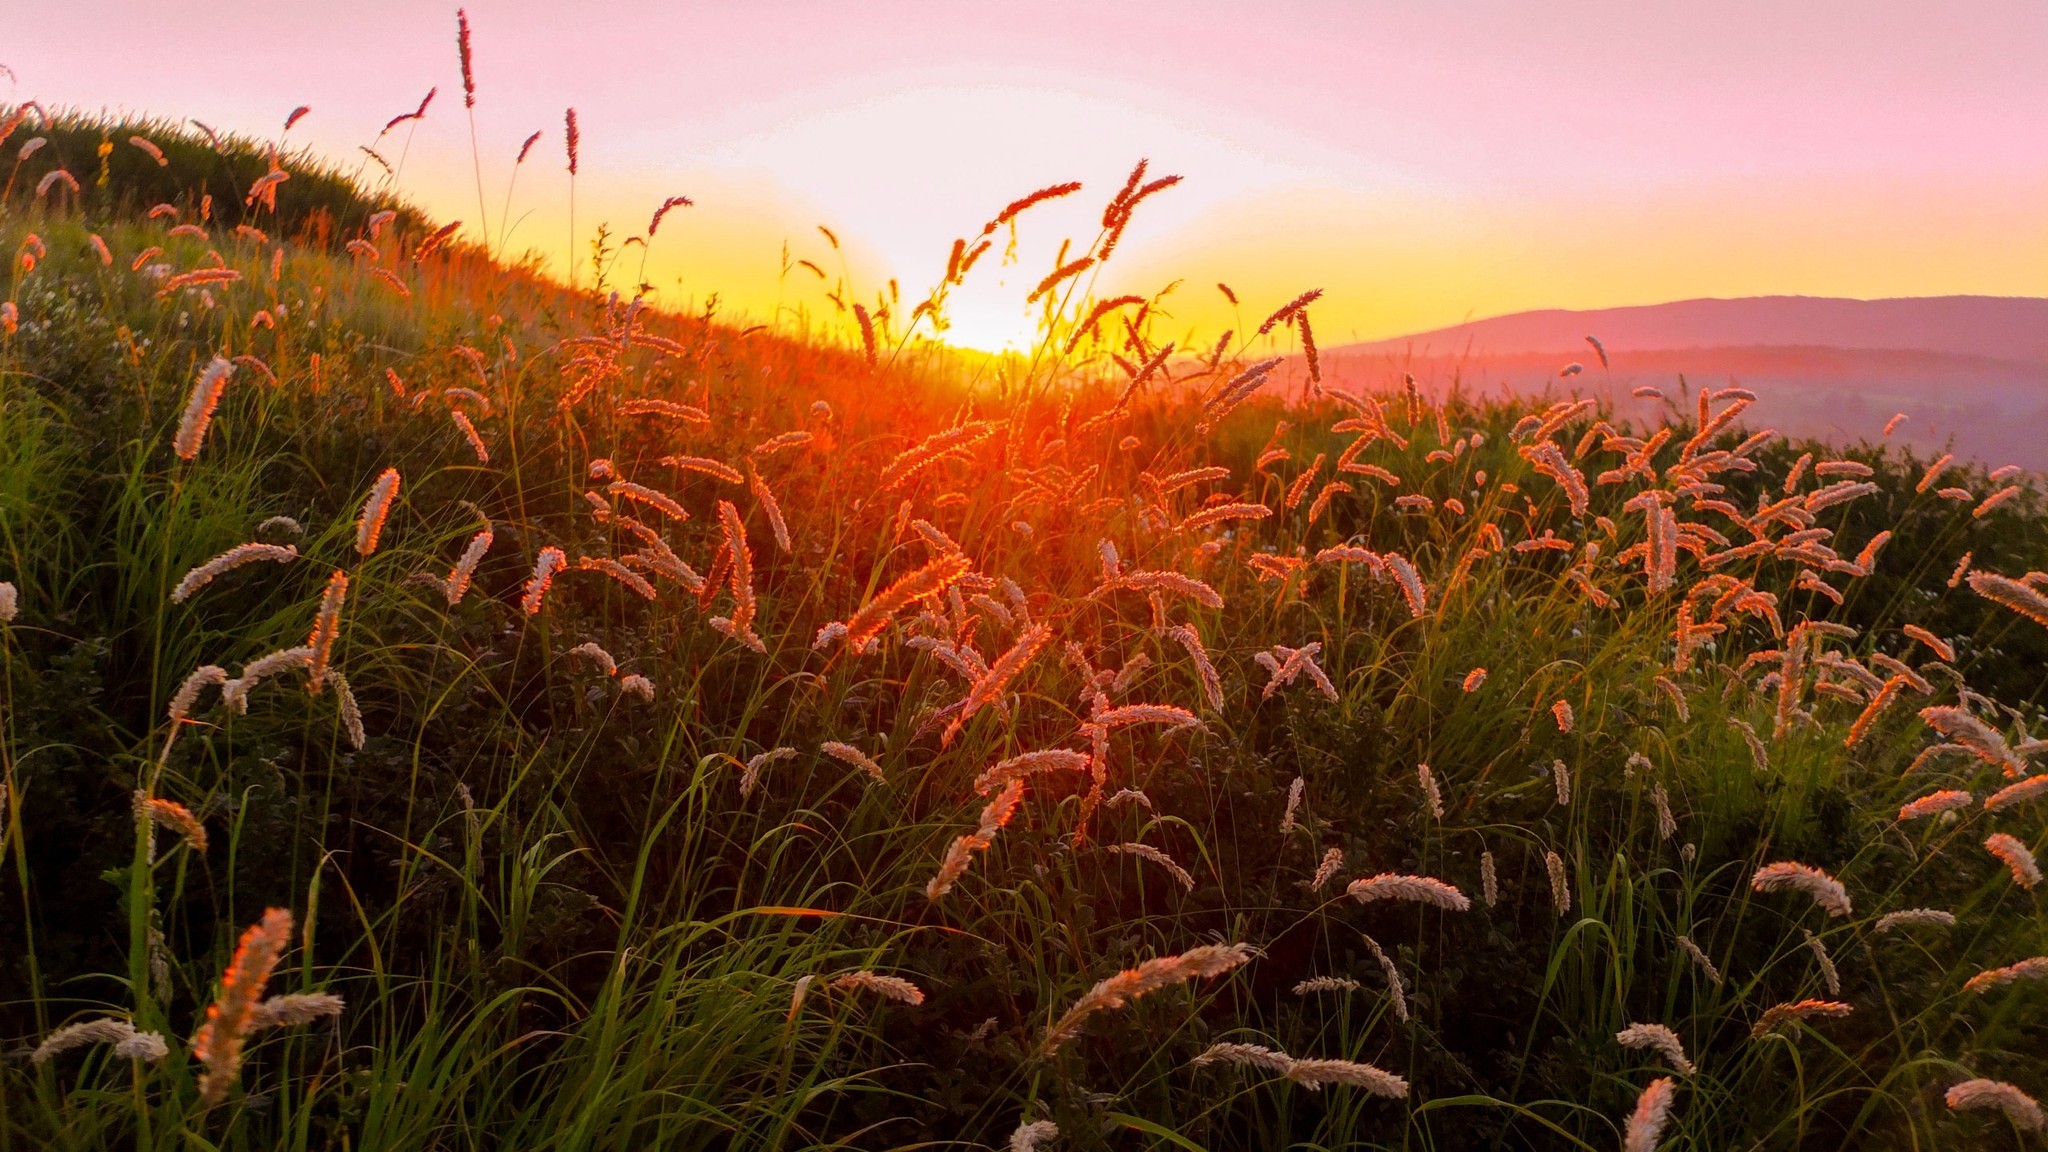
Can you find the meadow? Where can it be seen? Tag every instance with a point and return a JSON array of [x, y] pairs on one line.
[[445, 708]]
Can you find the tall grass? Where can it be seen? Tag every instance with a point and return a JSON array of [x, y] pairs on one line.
[[557, 922]]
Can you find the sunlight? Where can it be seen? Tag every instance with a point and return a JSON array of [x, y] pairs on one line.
[[738, 542]]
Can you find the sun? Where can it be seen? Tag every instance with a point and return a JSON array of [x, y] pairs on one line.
[[990, 317]]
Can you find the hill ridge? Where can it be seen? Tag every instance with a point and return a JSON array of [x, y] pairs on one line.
[[2011, 328]]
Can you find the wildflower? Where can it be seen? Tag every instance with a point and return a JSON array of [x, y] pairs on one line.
[[2016, 857], [1427, 780], [1940, 647], [959, 855], [1561, 778], [992, 683], [2032, 788], [1333, 860], [351, 713], [1944, 801], [1778, 1014], [54, 177], [1132, 983], [931, 450], [204, 574], [595, 653], [174, 816], [463, 54], [469, 432], [295, 1009], [1660, 1038], [699, 464], [888, 987], [456, 585], [641, 493], [1958, 725], [1699, 957], [2020, 1108], [1667, 824], [1129, 714], [326, 627], [2006, 592], [1315, 984], [1489, 879], [1284, 664], [1826, 962], [1994, 500], [148, 1047], [235, 693], [1313, 1074], [370, 525], [1398, 886], [1174, 582], [1410, 582], [199, 406], [1474, 679], [150, 149], [1222, 513], [1888, 692], [759, 762], [931, 580], [669, 408], [1397, 992], [853, 756], [994, 817], [1653, 1112], [1212, 685], [1148, 852], [1028, 1137], [1560, 887], [634, 582], [1294, 793], [1244, 1055], [187, 695], [1017, 767], [769, 507], [1825, 890], [232, 1015], [550, 561], [1915, 917], [2032, 968]]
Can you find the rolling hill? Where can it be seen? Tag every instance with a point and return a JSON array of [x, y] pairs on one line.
[[1969, 372]]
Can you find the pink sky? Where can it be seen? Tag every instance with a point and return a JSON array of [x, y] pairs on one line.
[[1424, 162]]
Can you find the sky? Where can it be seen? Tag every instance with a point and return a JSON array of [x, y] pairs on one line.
[[1423, 162]]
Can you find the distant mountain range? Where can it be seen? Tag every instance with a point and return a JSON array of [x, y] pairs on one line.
[[1970, 372]]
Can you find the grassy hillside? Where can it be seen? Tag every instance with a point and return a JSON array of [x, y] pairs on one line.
[[652, 851]]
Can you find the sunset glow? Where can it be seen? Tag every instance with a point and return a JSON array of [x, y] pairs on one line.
[[1224, 574], [1424, 166]]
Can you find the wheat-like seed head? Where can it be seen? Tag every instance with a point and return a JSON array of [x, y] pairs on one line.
[[233, 1013], [2023, 1110], [1653, 1111], [1659, 1038], [1418, 889], [1824, 889]]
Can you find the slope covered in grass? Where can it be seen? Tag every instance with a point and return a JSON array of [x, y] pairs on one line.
[[707, 837]]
